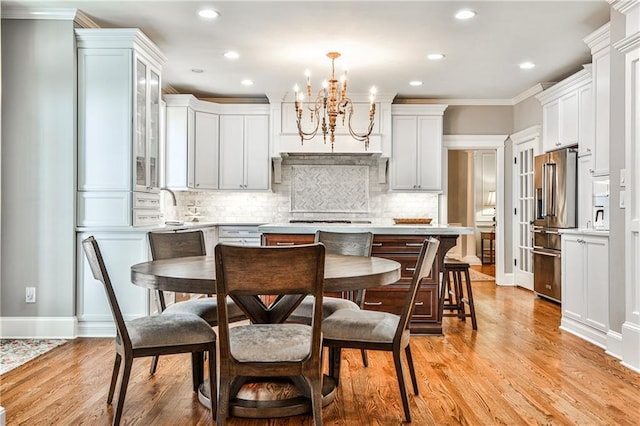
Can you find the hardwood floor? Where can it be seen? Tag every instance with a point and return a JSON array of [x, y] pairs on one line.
[[518, 368]]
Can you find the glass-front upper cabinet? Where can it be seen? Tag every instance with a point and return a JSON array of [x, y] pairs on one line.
[[147, 127]]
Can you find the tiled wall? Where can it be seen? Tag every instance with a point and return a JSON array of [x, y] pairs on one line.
[[329, 190]]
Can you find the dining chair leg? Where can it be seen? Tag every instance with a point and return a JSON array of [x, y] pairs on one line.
[[197, 369], [154, 364], [315, 385], [213, 383], [335, 354], [114, 378], [223, 401], [412, 371], [397, 360], [365, 357], [126, 373]]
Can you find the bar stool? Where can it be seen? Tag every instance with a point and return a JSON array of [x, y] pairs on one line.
[[455, 296]]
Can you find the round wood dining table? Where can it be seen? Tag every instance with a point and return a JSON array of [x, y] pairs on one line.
[[197, 275]]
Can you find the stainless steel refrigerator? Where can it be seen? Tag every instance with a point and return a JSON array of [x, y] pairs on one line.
[[555, 191]]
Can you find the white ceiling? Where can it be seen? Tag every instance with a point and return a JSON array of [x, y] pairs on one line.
[[384, 43]]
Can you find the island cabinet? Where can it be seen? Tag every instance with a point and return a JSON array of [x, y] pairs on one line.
[[405, 250]]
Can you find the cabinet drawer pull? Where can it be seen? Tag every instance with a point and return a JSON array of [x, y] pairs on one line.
[[413, 244], [419, 303], [373, 303], [410, 269], [376, 245], [283, 243]]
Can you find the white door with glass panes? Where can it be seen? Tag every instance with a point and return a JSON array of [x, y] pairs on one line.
[[525, 146]]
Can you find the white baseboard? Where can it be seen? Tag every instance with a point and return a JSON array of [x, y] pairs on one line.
[[505, 280], [585, 332], [631, 346], [38, 327], [614, 344], [3, 420], [96, 329]]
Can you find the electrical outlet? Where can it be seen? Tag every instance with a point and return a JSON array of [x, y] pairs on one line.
[[30, 295]]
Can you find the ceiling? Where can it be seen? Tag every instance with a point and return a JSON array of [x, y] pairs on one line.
[[383, 43]]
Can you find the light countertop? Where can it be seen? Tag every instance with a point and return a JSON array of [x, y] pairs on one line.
[[585, 231], [311, 228]]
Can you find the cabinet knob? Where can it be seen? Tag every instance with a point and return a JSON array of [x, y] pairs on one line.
[[591, 171]]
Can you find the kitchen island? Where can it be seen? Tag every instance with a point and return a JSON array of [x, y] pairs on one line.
[[397, 242]]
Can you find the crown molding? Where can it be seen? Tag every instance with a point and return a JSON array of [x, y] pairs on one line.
[[49, 13], [460, 102], [599, 39], [624, 6], [527, 134], [532, 91]]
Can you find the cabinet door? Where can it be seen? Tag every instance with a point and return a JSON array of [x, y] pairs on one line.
[[573, 277], [585, 192], [154, 130], [602, 107], [140, 129], [586, 127], [597, 283], [206, 151], [120, 250], [551, 126], [180, 142], [429, 153], [569, 119], [256, 139], [232, 152], [403, 157]]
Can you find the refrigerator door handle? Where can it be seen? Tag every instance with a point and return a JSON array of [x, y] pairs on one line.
[[546, 253], [549, 189]]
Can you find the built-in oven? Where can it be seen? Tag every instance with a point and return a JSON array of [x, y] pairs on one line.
[[546, 263]]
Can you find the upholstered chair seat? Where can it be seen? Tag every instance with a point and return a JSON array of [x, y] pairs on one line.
[[206, 308], [362, 326], [167, 330], [264, 342], [330, 305]]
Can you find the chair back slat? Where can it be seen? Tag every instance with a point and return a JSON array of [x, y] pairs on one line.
[[169, 245], [99, 270], [424, 265], [347, 243]]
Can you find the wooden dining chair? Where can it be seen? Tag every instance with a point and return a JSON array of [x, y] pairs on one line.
[[153, 335], [347, 243], [269, 346], [380, 331], [170, 245]]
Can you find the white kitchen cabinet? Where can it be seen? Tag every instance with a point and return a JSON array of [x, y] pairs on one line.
[[244, 151], [563, 113], [416, 157], [192, 143], [119, 83], [120, 250], [585, 285], [599, 43], [245, 235]]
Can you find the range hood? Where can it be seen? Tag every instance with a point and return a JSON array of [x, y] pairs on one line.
[[343, 158]]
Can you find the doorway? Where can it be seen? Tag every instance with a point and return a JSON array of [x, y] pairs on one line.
[[482, 211]]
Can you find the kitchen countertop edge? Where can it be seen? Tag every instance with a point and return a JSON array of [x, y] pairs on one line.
[[311, 228], [585, 231]]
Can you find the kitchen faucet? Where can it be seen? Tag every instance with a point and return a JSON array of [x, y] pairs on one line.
[[173, 195]]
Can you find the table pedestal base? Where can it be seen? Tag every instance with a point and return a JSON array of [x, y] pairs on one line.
[[273, 398]]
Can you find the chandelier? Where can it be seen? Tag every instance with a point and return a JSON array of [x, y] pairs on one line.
[[333, 101]]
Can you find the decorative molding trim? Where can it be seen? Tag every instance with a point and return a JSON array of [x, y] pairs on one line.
[[96, 329], [630, 345], [584, 332], [119, 37], [599, 39], [457, 102], [50, 13], [238, 100], [414, 109], [507, 280], [628, 44], [473, 141], [527, 134], [532, 91], [624, 6], [84, 21], [383, 162], [38, 327], [277, 169], [572, 82]]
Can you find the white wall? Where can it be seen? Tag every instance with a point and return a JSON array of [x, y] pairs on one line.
[[38, 171]]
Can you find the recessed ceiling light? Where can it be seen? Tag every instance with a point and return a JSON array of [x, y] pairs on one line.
[[415, 83], [197, 70], [231, 55], [208, 13], [465, 14], [435, 56], [247, 82], [527, 65]]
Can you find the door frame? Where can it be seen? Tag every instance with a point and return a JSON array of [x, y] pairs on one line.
[[533, 136], [480, 142]]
